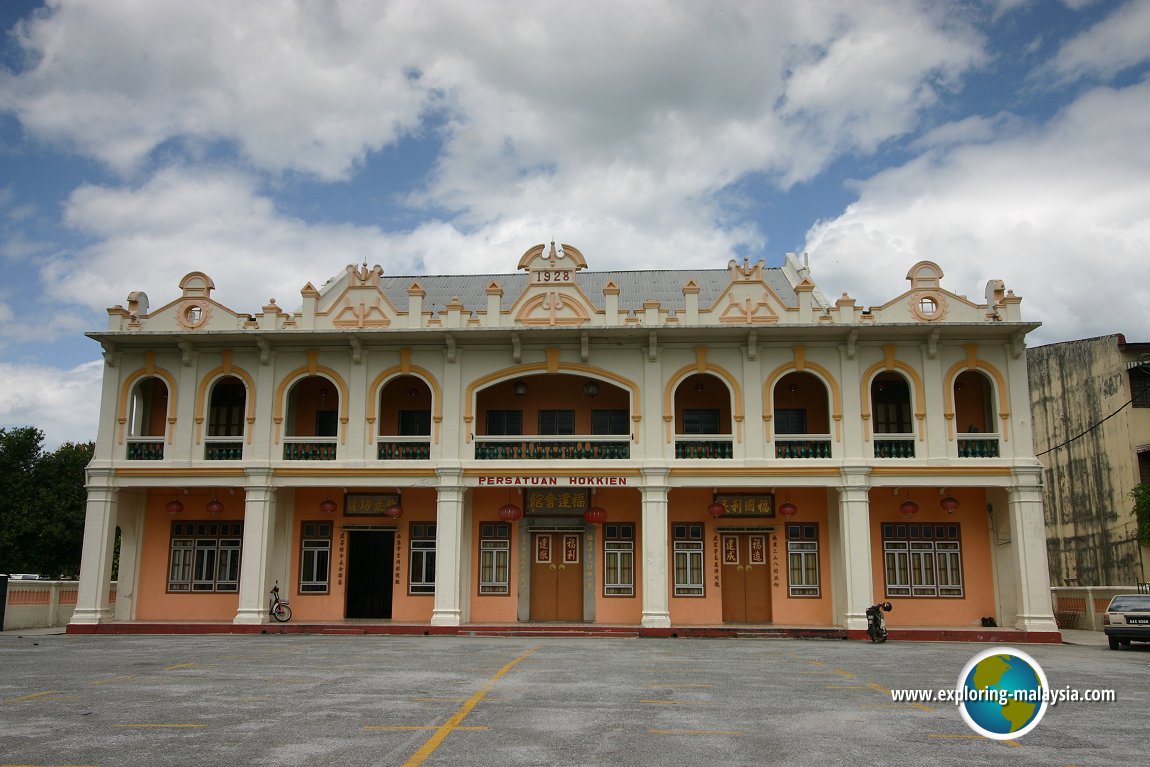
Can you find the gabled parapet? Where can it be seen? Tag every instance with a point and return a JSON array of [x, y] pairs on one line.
[[555, 289]]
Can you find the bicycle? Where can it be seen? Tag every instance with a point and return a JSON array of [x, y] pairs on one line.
[[280, 609]]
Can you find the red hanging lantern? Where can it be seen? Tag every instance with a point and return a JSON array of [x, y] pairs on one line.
[[174, 507], [214, 507], [908, 508], [393, 512], [596, 515], [716, 509], [788, 509], [949, 504], [327, 506], [509, 512]]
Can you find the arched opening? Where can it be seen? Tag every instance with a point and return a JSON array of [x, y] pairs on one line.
[[405, 419], [801, 417], [974, 415], [147, 419], [703, 418], [226, 405], [891, 416], [561, 416], [312, 422]]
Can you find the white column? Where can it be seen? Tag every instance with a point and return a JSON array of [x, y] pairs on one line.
[[96, 558], [449, 553], [656, 609], [255, 559], [851, 553], [1028, 550], [130, 520]]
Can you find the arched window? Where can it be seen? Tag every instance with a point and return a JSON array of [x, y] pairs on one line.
[[226, 408], [974, 415], [801, 407], [147, 419], [891, 414], [703, 417], [312, 423], [405, 419]]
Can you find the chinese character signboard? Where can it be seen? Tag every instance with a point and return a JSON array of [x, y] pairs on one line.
[[558, 500], [369, 504], [747, 504]]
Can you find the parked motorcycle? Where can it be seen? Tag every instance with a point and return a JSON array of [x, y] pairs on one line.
[[876, 621]]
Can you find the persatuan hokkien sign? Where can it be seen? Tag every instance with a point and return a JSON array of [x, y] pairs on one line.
[[556, 481]]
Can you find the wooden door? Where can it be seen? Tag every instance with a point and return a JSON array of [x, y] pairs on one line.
[[557, 576], [746, 581]]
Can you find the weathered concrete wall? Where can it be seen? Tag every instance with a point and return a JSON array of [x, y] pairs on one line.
[[1091, 529]]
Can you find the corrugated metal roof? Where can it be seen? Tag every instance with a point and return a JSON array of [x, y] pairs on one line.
[[635, 287]]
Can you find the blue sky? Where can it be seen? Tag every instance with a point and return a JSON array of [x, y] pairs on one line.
[[269, 144]]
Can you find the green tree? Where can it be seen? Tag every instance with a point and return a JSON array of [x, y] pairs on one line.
[[1141, 496], [42, 501]]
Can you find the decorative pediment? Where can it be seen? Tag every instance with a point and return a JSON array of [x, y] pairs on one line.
[[553, 308], [742, 307], [361, 304], [567, 257]]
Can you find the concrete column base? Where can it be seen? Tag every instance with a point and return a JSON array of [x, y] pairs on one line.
[[89, 617], [446, 618], [656, 620], [250, 617], [1035, 623]]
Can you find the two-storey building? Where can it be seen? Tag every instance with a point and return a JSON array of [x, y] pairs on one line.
[[656, 449]]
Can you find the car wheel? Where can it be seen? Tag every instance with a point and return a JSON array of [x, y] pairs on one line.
[[1113, 643]]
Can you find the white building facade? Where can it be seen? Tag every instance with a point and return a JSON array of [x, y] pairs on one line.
[[662, 450]]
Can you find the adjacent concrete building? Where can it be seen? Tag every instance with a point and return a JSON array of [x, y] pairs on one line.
[[1091, 405], [655, 449]]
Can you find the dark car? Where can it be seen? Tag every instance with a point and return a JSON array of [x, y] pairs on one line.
[[1127, 619]]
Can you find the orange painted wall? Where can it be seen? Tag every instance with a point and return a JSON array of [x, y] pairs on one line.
[[622, 505], [493, 608], [153, 602], [689, 506], [977, 570]]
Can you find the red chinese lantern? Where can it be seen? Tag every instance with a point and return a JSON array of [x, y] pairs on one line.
[[174, 507], [908, 507], [788, 509], [393, 512], [716, 509], [509, 512], [596, 515], [949, 504], [327, 506], [214, 507]]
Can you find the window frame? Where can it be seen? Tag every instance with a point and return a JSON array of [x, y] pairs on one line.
[[316, 546], [555, 422], [495, 423], [619, 560], [687, 548], [803, 546], [696, 418], [207, 554], [421, 547], [925, 560], [494, 575]]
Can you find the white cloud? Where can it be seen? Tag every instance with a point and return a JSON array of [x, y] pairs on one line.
[[1060, 213], [1117, 42], [63, 403], [681, 97]]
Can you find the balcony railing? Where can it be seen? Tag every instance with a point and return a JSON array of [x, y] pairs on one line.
[[145, 448], [392, 448], [894, 446], [802, 446], [309, 448], [547, 447], [704, 446], [980, 446], [223, 449]]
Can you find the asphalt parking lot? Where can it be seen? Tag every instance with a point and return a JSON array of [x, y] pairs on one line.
[[399, 700]]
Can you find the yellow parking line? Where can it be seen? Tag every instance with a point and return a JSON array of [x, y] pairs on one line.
[[178, 666], [428, 748], [845, 686], [879, 687], [695, 732], [34, 696], [678, 702], [674, 686], [841, 672], [398, 727]]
